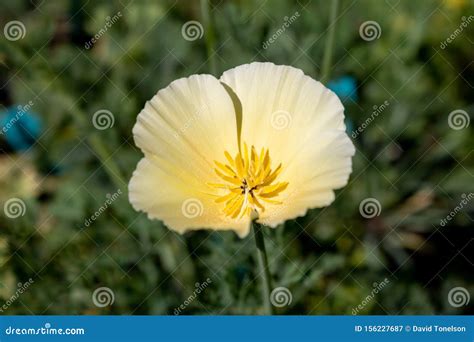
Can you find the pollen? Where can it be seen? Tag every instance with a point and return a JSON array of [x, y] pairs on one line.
[[248, 181]]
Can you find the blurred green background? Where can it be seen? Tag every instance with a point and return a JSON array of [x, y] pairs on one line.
[[409, 157]]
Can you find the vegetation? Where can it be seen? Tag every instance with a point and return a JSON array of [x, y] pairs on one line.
[[77, 58]]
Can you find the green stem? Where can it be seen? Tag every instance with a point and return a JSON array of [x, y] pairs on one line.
[[329, 47], [264, 270], [209, 36]]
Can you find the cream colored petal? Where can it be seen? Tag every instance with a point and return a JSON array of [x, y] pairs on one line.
[[188, 124], [319, 169], [182, 130], [165, 196], [302, 124]]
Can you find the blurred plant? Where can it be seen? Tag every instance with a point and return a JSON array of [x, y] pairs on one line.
[[408, 158]]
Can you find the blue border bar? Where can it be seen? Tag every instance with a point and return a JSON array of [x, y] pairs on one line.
[[238, 328]]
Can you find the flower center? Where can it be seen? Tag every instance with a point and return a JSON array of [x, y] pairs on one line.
[[249, 182]]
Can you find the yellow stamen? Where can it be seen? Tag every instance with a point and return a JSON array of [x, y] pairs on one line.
[[248, 182]]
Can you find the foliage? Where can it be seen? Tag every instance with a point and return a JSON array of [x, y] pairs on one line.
[[408, 158]]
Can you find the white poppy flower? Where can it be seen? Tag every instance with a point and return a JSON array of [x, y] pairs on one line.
[[263, 142]]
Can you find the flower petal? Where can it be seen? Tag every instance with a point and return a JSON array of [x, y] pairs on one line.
[[191, 118], [182, 130], [301, 122], [318, 169], [167, 196]]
